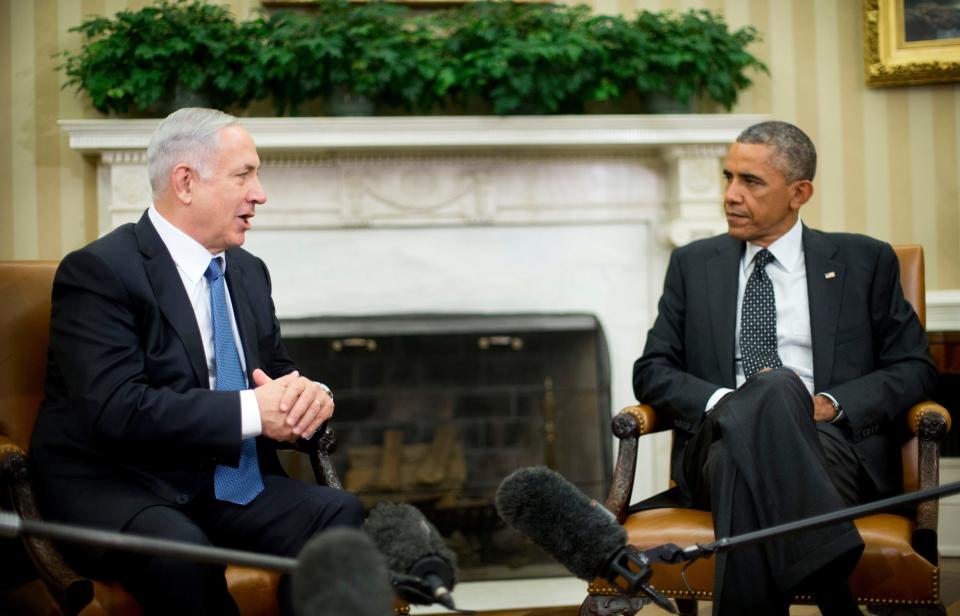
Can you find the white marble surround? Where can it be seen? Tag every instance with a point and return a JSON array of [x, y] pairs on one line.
[[468, 215]]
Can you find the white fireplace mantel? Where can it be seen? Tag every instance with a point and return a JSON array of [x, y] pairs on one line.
[[450, 170], [461, 132]]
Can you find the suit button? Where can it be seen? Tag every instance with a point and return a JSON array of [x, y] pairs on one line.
[[182, 499]]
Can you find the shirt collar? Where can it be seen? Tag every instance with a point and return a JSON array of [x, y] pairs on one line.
[[189, 254], [787, 249]]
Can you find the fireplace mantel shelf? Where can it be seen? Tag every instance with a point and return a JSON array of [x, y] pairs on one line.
[[467, 132]]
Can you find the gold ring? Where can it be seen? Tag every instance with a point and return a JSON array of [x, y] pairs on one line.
[[317, 402]]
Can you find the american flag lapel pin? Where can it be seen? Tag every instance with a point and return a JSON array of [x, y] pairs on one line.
[[830, 275]]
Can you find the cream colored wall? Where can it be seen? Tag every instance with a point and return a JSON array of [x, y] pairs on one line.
[[889, 161]]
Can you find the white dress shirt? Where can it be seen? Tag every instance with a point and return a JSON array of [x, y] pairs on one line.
[[192, 260], [788, 273]]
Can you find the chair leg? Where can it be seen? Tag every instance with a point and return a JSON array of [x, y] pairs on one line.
[[606, 605], [687, 607]]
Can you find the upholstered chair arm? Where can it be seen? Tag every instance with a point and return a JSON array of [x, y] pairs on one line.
[[71, 591], [319, 448], [629, 425]]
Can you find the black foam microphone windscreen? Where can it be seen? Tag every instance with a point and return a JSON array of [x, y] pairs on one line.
[[581, 534], [340, 571], [414, 547], [576, 530]]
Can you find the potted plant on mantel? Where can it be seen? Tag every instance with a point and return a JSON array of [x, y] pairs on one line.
[[478, 57], [165, 56]]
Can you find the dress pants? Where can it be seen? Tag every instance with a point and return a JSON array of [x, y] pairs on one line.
[[759, 460], [279, 521]]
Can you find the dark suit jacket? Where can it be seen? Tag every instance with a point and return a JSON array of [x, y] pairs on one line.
[[128, 418], [869, 349]]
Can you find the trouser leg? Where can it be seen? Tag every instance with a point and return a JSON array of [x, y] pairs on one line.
[[281, 519], [166, 585], [767, 468]]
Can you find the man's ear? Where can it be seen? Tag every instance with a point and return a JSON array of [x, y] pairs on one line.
[[182, 181], [801, 191]]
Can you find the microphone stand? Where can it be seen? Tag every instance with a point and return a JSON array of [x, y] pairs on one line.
[[672, 554], [12, 526]]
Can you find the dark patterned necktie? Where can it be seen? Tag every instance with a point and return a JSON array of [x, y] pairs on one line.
[[240, 484], [758, 319]]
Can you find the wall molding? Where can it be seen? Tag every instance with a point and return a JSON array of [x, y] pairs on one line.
[[943, 310]]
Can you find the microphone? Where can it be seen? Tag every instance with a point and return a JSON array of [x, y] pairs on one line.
[[581, 534], [423, 565], [340, 571]]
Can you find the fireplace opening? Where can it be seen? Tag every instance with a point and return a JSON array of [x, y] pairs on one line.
[[436, 410]]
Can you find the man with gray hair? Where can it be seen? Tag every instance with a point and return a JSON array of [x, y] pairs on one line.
[[169, 388], [786, 359]]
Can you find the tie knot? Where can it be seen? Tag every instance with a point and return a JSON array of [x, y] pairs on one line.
[[214, 270], [763, 258]]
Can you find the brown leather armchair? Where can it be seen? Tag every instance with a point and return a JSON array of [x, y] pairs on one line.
[[24, 328], [900, 563]]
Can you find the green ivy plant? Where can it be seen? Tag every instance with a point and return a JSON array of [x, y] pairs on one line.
[[524, 58], [137, 59], [696, 55], [497, 56], [390, 55]]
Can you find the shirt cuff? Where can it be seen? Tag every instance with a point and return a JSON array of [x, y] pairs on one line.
[[250, 425], [836, 406], [712, 400]]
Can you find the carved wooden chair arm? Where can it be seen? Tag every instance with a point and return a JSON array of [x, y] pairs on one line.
[[319, 448], [629, 425], [930, 422], [71, 591]]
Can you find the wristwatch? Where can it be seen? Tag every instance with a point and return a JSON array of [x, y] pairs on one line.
[[836, 406], [327, 391]]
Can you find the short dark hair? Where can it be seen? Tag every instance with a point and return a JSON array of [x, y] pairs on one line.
[[797, 157]]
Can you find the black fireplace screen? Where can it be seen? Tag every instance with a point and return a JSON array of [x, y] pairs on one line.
[[436, 411]]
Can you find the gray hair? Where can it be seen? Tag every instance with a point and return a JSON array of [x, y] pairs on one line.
[[795, 154], [188, 135]]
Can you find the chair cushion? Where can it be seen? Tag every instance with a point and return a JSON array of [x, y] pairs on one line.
[[254, 590], [889, 572]]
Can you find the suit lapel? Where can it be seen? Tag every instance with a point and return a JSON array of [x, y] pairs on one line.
[[825, 280], [236, 282], [171, 296], [722, 282]]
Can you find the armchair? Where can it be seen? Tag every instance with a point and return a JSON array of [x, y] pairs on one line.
[[899, 567], [24, 327]]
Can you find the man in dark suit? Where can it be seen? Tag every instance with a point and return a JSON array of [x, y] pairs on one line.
[[786, 359], [167, 390]]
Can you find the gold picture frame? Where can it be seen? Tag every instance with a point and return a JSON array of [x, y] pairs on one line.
[[895, 57]]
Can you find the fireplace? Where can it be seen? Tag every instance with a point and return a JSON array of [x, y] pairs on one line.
[[436, 411]]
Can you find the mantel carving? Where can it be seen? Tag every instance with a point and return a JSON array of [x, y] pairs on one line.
[[427, 171]]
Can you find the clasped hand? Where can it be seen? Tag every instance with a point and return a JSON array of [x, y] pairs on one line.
[[290, 406]]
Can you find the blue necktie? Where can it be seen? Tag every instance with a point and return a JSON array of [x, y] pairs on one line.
[[241, 484], [758, 319]]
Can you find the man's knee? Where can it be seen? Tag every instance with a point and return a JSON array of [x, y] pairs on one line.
[[777, 392], [347, 510], [779, 379], [328, 508]]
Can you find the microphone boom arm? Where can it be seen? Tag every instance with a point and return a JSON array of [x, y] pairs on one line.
[[11, 526], [671, 554]]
